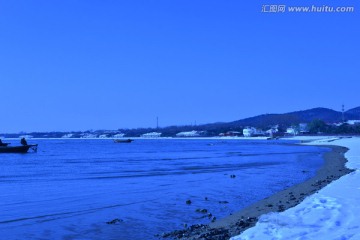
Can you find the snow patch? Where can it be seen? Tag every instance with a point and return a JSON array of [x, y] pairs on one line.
[[332, 213]]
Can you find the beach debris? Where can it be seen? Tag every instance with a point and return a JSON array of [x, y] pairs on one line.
[[188, 202], [203, 232], [281, 208], [223, 202], [115, 221], [186, 233], [215, 234]]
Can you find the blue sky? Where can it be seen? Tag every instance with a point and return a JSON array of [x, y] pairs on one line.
[[79, 65]]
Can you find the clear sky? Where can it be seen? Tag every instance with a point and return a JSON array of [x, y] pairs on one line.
[[87, 64]]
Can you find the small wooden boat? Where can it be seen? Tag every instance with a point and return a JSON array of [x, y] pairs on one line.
[[123, 140], [18, 149]]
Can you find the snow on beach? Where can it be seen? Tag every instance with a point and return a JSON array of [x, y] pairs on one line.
[[331, 213]]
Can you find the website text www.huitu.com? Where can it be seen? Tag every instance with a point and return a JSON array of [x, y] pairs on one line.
[[306, 9]]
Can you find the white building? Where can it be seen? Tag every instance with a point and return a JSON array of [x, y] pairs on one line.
[[353, 122], [119, 135], [151, 135], [252, 132], [248, 132], [188, 134], [69, 135], [88, 135], [292, 131]]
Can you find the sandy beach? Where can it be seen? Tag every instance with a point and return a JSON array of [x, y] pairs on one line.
[[243, 222]]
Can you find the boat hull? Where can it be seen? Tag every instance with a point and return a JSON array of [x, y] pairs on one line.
[[16, 149], [123, 140]]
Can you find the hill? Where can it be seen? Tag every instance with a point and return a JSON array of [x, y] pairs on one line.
[[354, 113], [305, 116]]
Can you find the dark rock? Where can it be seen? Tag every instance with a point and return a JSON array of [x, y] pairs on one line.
[[281, 208], [202, 210], [115, 221], [251, 219]]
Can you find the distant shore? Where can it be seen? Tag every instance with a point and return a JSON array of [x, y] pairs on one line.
[[332, 169]]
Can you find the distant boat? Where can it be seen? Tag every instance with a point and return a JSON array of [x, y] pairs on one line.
[[123, 140], [18, 149]]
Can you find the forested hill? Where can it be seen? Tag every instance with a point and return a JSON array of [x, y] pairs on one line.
[[305, 116], [288, 119]]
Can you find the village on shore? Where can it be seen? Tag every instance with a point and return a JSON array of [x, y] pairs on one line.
[[316, 127], [316, 121]]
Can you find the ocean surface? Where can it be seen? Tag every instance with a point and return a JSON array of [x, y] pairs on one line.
[[71, 189]]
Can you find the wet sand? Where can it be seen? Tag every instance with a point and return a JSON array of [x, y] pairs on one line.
[[332, 169]]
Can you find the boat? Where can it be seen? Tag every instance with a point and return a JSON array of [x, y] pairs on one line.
[[123, 140], [18, 149]]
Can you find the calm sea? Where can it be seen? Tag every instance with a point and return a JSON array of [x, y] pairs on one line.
[[70, 189]]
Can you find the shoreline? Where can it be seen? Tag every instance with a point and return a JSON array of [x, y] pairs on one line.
[[333, 168]]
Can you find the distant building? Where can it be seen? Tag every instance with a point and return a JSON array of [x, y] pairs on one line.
[[188, 134], [88, 135], [69, 135], [338, 124], [273, 130], [253, 132], [119, 135], [248, 132], [292, 131], [353, 122], [303, 128], [231, 134], [151, 135]]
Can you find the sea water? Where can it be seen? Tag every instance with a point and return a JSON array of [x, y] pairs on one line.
[[73, 189]]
